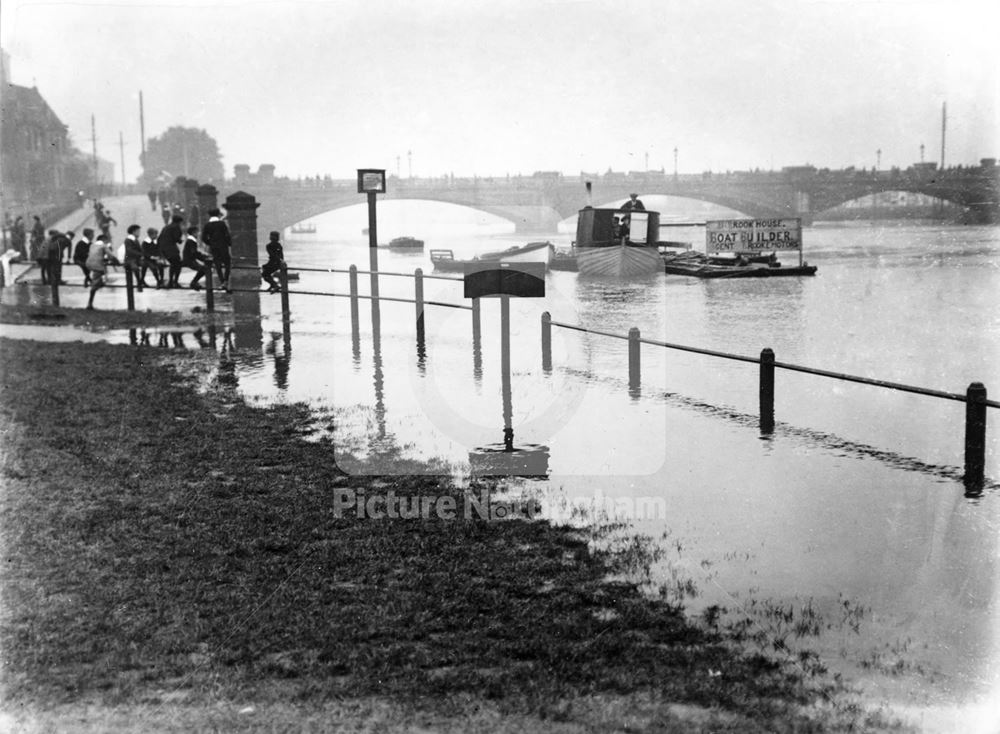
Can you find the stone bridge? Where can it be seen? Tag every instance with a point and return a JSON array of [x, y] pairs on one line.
[[539, 202]]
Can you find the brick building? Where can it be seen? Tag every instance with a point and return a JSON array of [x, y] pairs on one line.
[[39, 170]]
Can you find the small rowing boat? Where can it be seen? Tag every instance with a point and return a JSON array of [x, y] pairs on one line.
[[406, 243], [444, 260]]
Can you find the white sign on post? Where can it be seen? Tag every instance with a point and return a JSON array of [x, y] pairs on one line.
[[753, 235]]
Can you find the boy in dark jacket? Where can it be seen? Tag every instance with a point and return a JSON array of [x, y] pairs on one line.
[[168, 243], [192, 257], [80, 253], [275, 257]]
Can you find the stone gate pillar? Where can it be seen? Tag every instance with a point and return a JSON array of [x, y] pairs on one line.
[[241, 214], [208, 199], [190, 202]]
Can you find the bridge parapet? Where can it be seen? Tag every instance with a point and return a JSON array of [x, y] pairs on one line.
[[794, 191]]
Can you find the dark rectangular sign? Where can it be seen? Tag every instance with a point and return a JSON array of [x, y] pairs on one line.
[[371, 180], [526, 280]]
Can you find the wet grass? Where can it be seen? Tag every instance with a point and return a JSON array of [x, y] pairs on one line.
[[42, 315], [172, 554]]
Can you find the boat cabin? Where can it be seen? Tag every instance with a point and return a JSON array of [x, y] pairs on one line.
[[606, 227]]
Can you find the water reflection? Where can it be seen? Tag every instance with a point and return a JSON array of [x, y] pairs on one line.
[[282, 357], [378, 377], [477, 343], [248, 332], [774, 305]]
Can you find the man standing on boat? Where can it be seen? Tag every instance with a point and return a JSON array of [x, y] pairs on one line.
[[634, 204]]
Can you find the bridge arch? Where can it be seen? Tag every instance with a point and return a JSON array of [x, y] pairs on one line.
[[540, 201], [273, 216]]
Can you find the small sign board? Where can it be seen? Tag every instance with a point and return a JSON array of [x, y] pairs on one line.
[[526, 280], [371, 180], [753, 235]]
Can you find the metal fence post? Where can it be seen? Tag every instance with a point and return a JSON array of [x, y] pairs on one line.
[[766, 392], [546, 341], [129, 289], [477, 330], [355, 320], [975, 435], [209, 294], [633, 361], [283, 274], [418, 297]]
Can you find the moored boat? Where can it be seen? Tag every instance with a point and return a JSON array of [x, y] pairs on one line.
[[406, 243], [744, 248], [564, 260], [615, 243], [699, 265], [444, 260]]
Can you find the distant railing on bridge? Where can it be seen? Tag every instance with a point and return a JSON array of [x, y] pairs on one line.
[[914, 174]]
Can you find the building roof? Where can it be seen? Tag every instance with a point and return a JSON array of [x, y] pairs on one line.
[[25, 105]]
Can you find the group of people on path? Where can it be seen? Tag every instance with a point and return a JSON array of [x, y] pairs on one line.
[[163, 254]]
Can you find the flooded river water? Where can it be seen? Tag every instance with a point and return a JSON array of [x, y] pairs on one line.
[[847, 531]]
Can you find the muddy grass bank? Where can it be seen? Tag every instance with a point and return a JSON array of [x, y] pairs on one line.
[[172, 560]]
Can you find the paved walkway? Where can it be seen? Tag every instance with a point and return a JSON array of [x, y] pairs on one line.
[[27, 288]]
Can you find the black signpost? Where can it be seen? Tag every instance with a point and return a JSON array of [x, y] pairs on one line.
[[503, 280], [371, 181]]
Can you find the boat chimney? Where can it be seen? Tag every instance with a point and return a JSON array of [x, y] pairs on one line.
[[590, 196]]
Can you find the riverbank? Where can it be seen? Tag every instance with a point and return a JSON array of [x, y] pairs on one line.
[[174, 561]]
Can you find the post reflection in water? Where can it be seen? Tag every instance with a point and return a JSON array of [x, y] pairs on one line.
[[282, 357], [378, 375], [477, 343], [421, 352]]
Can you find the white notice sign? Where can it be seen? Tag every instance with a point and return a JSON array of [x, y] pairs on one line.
[[753, 235]]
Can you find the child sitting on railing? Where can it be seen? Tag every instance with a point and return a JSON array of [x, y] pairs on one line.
[[275, 259]]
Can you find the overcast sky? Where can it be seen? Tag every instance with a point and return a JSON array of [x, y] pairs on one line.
[[515, 86]]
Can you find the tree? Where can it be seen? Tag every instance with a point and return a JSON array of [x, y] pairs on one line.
[[182, 151]]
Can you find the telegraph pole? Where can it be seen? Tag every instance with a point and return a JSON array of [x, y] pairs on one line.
[[121, 149], [944, 121], [93, 142], [142, 127]]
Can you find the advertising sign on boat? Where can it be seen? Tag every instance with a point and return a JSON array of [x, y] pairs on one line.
[[753, 235]]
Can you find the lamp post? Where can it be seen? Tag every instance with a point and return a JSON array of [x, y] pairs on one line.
[[921, 152], [878, 165], [371, 181], [675, 162]]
